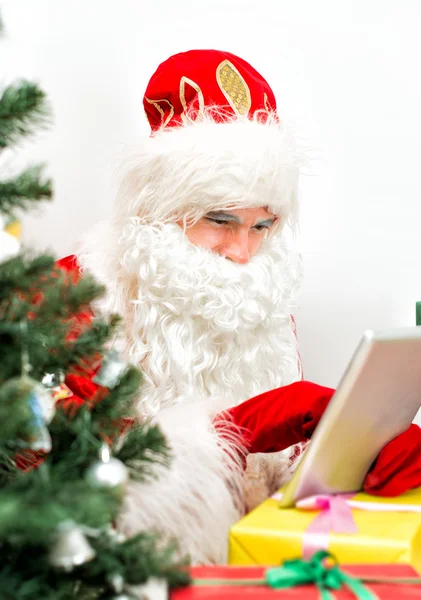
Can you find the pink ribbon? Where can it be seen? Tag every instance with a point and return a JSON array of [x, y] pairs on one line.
[[335, 516]]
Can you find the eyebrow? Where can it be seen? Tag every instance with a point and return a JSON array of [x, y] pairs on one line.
[[230, 218], [224, 216], [265, 223]]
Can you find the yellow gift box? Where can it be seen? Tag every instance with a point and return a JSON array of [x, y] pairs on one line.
[[269, 534]]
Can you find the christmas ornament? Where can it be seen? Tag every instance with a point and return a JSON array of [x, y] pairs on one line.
[[9, 245], [112, 370], [54, 382], [70, 548], [116, 583], [37, 408], [14, 227], [116, 536], [108, 472]]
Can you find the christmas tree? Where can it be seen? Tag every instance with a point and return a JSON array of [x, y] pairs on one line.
[[64, 464]]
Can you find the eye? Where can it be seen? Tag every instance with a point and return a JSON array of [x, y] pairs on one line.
[[260, 228], [216, 221]]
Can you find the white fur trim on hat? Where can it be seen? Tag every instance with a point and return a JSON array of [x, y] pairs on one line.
[[184, 172]]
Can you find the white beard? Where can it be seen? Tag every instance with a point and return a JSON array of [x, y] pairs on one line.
[[197, 324], [207, 334]]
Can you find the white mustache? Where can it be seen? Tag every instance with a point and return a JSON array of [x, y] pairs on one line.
[[208, 284]]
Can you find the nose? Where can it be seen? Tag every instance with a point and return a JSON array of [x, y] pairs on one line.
[[237, 249]]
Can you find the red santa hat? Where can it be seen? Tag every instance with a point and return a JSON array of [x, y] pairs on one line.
[[186, 83], [216, 143]]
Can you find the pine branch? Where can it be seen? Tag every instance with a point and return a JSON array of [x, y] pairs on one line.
[[15, 412], [118, 402], [23, 110], [30, 575], [34, 505], [22, 273], [31, 510], [137, 559], [46, 300], [24, 190], [143, 448]]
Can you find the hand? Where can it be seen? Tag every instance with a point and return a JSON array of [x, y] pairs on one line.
[[280, 418], [286, 416], [398, 466]]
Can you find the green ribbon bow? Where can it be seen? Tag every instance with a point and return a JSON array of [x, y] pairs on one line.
[[300, 572]]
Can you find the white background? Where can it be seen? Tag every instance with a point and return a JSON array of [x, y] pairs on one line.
[[347, 78]]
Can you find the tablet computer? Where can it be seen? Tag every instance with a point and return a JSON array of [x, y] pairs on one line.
[[376, 400]]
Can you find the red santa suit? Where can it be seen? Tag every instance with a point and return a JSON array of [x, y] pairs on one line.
[[207, 333]]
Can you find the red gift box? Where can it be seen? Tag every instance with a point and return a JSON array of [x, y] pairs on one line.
[[382, 591]]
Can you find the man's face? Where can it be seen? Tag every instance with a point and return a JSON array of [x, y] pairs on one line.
[[235, 234]]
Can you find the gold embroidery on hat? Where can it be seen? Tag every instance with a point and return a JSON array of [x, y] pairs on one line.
[[266, 102], [201, 99], [234, 87], [161, 112]]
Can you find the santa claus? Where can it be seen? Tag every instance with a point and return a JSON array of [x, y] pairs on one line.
[[195, 260]]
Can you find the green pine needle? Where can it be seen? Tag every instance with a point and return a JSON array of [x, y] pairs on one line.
[[21, 192], [144, 447], [45, 299], [34, 505], [23, 110]]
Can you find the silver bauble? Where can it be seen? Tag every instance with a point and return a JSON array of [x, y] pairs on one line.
[[70, 548], [46, 402], [39, 408], [55, 383], [38, 397], [108, 472], [111, 371], [52, 380], [116, 536], [116, 582]]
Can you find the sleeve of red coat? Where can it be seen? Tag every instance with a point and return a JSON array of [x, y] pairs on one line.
[[80, 384]]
